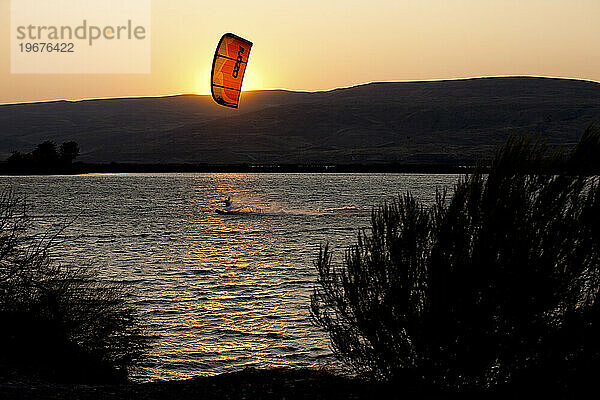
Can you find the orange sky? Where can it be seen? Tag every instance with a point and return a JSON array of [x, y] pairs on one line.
[[314, 45]]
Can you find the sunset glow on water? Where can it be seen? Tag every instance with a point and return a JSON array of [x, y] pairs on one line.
[[220, 292]]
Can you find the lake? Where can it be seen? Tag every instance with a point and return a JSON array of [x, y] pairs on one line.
[[221, 292]]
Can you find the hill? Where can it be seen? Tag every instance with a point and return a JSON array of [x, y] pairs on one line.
[[442, 122]]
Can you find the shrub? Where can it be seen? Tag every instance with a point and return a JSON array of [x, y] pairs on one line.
[[494, 286], [59, 323]]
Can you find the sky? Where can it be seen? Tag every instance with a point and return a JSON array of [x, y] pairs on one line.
[[314, 45]]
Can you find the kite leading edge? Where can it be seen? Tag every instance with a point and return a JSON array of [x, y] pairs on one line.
[[229, 65]]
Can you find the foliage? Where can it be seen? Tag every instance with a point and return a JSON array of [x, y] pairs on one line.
[[69, 151], [59, 323], [46, 155], [494, 286]]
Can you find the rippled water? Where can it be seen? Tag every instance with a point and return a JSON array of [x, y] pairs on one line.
[[222, 292]]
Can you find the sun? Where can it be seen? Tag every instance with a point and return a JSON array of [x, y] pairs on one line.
[[252, 79]]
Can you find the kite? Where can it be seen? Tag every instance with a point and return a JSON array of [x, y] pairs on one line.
[[229, 65]]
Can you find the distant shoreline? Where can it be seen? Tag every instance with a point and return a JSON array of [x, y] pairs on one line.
[[88, 168]]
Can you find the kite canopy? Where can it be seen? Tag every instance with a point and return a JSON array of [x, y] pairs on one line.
[[229, 65]]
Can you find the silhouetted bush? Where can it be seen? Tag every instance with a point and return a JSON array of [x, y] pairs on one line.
[[68, 152], [494, 287], [59, 323], [45, 153]]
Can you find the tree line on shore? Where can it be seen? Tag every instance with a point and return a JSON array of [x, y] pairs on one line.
[[493, 288], [46, 156]]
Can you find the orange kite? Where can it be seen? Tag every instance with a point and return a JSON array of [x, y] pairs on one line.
[[229, 65]]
